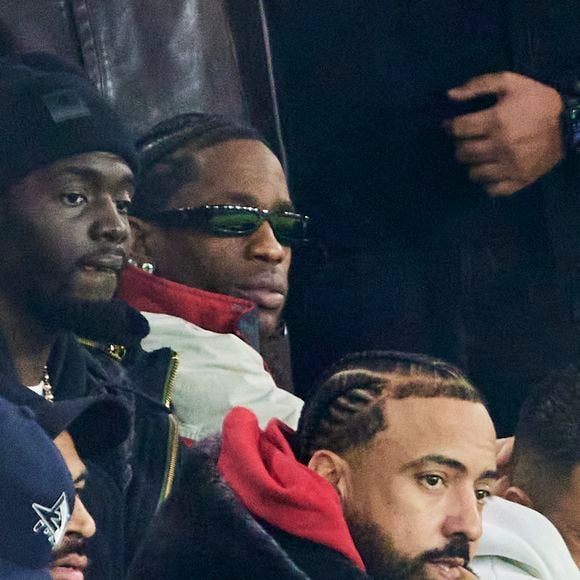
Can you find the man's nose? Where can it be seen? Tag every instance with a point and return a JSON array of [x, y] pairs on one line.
[[81, 521], [263, 245], [464, 516], [109, 224]]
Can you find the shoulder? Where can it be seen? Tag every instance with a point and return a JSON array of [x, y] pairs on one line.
[[519, 542]]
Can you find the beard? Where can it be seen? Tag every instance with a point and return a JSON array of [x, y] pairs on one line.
[[384, 562], [381, 559], [107, 321]]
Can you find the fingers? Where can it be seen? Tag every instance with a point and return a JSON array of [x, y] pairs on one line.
[[474, 125], [501, 485], [495, 179], [504, 450], [488, 173], [473, 151], [506, 187], [465, 574], [489, 84]]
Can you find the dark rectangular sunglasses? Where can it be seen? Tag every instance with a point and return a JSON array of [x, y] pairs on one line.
[[289, 228]]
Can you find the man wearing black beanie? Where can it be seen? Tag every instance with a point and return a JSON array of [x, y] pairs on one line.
[[67, 172]]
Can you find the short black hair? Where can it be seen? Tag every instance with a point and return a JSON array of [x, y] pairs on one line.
[[346, 411], [162, 172], [547, 437]]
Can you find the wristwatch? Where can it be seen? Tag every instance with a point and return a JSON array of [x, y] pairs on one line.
[[571, 125]]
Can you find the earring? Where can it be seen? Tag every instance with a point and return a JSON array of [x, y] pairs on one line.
[[148, 267]]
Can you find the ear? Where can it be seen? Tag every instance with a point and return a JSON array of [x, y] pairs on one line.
[[141, 240], [334, 469], [518, 495]]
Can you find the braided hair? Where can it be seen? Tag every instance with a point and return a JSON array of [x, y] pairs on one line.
[[164, 171], [346, 409]]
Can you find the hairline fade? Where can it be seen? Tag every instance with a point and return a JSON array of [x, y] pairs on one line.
[[547, 437], [347, 409]]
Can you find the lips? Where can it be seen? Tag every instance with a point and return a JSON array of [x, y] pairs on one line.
[[71, 567], [446, 568], [110, 262], [268, 293]]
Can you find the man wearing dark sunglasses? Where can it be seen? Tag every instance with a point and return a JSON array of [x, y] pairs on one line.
[[213, 219], [235, 252], [200, 213]]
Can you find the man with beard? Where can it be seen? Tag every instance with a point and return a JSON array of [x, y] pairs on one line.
[[67, 168], [33, 473], [386, 477], [43, 524], [82, 430]]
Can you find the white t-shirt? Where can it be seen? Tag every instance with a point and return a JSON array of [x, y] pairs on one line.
[[38, 389]]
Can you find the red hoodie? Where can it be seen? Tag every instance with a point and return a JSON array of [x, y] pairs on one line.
[[262, 470]]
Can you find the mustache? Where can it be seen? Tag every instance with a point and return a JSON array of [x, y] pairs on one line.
[[458, 547], [72, 544]]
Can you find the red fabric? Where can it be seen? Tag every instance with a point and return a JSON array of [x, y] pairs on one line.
[[148, 293], [263, 472]]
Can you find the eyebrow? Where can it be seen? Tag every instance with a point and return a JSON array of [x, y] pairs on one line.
[[81, 477], [241, 198], [128, 180], [447, 462]]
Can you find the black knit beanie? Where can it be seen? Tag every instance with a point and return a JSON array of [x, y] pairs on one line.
[[48, 111]]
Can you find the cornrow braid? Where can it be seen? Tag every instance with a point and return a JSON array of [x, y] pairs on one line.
[[162, 172], [346, 409]]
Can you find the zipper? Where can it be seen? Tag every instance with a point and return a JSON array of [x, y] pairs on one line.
[[115, 351], [173, 438]]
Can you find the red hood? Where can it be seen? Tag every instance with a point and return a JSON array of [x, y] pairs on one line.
[[215, 312], [264, 473]]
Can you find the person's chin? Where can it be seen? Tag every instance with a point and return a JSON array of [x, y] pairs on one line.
[[94, 284]]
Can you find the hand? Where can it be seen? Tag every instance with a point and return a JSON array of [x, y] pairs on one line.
[[504, 449], [513, 143]]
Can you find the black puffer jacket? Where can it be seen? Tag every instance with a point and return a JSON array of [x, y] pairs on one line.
[[203, 532], [124, 488], [146, 378]]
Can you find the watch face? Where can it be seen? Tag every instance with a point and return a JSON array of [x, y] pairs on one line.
[[575, 126], [571, 124]]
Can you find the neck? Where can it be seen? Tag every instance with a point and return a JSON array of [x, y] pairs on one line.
[[275, 350], [27, 340]]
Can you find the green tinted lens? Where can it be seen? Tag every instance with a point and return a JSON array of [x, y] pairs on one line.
[[234, 222], [288, 228]]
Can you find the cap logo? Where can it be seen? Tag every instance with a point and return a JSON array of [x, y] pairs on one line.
[[66, 105], [53, 520]]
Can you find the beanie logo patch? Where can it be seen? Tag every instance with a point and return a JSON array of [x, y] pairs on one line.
[[53, 520], [66, 105]]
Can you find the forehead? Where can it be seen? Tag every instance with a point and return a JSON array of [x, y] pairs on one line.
[[439, 426], [241, 171], [97, 163], [98, 168]]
